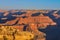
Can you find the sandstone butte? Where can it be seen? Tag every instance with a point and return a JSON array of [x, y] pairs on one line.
[[41, 20], [33, 23]]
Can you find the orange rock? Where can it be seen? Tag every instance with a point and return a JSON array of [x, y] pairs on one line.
[[6, 13], [11, 22]]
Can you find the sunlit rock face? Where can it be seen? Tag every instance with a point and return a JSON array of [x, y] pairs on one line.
[[17, 17], [12, 33], [30, 20]]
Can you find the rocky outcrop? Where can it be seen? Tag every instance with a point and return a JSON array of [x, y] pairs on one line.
[[28, 20]]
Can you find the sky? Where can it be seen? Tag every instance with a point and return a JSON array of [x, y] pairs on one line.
[[29, 4]]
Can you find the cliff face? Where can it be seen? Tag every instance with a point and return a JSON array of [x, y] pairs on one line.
[[28, 17], [28, 20]]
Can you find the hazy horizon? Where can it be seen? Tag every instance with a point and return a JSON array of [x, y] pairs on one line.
[[30, 4]]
